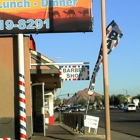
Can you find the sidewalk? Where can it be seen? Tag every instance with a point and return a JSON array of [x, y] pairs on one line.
[[61, 132]]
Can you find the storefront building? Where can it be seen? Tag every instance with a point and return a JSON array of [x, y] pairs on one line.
[[41, 83]]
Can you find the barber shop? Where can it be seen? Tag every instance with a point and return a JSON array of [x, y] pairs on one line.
[[28, 85]]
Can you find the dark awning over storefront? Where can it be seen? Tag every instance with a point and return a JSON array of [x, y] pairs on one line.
[[43, 73]]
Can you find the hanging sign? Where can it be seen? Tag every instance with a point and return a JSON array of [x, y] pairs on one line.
[[45, 16], [73, 73]]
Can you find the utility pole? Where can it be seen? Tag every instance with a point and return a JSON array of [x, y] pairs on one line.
[[105, 71]]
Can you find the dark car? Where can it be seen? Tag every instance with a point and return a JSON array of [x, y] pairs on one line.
[[56, 109], [74, 109], [68, 110]]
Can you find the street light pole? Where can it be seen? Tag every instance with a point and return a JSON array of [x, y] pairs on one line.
[[125, 91]]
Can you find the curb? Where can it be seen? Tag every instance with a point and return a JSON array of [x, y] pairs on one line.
[[79, 134], [5, 138], [92, 136]]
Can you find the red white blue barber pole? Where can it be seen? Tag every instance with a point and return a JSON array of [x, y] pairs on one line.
[[22, 100]]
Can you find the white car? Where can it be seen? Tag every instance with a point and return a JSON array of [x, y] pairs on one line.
[[82, 109], [130, 107]]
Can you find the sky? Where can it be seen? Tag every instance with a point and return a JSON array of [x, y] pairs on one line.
[[123, 61]]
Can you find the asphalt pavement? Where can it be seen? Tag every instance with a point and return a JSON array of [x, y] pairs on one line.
[[59, 131]]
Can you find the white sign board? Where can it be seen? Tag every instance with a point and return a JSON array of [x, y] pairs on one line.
[[73, 73], [136, 102], [91, 121]]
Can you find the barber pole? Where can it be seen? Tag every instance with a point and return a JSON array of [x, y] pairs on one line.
[[22, 107], [22, 101]]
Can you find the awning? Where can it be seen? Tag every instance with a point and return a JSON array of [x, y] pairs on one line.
[[49, 74]]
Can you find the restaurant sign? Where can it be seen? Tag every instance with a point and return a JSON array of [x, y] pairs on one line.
[[45, 16]]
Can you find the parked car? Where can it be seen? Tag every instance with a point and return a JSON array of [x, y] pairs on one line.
[[113, 107], [82, 109], [121, 107], [57, 109], [100, 107], [68, 110], [130, 107], [74, 109]]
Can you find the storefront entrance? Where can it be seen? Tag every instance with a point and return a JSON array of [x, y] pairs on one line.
[[38, 109]]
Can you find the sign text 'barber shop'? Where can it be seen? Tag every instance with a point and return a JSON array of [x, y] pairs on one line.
[[73, 73]]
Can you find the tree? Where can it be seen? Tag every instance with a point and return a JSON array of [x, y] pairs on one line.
[[122, 99], [117, 99], [103, 100], [97, 99], [82, 102], [137, 97], [57, 102], [65, 101]]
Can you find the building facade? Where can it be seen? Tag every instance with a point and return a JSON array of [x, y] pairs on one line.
[[41, 83]]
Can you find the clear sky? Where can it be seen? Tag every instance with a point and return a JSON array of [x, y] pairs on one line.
[[123, 61]]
